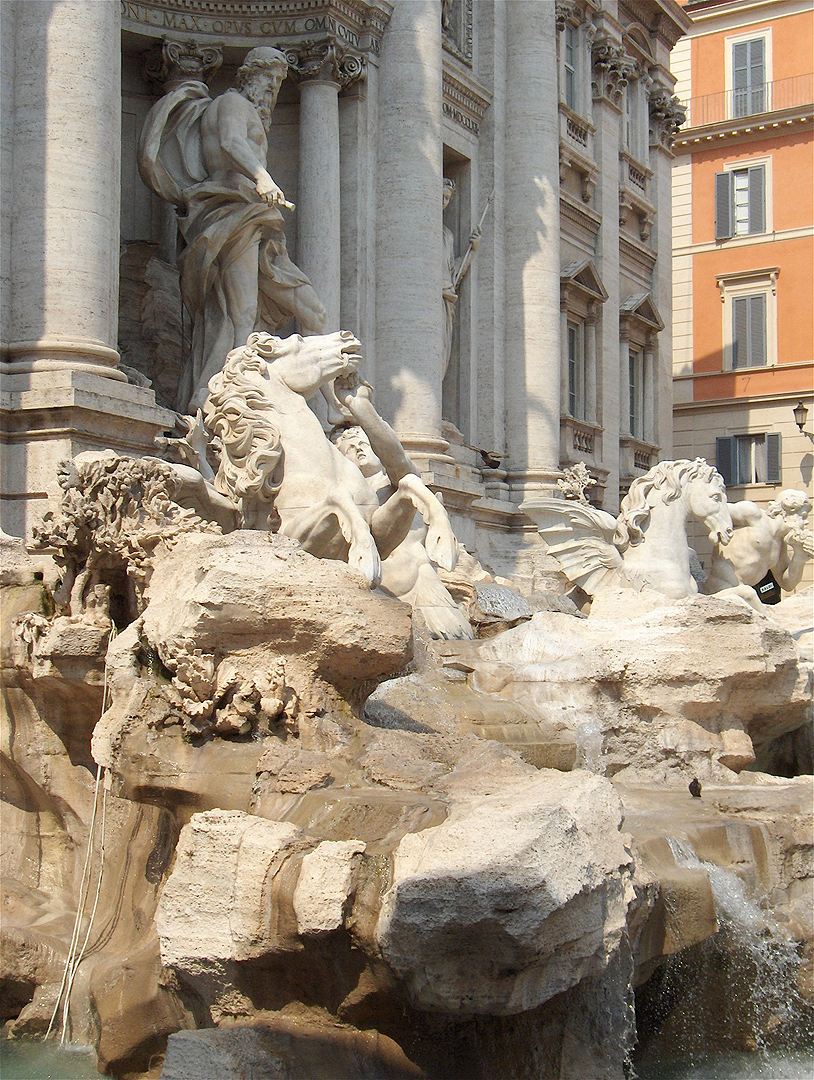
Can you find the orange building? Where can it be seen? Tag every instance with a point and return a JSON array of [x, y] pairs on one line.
[[743, 245]]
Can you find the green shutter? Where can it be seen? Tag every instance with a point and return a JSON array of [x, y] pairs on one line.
[[757, 199], [724, 205], [725, 458], [740, 332], [757, 330], [774, 465]]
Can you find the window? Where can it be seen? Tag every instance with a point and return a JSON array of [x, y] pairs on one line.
[[749, 319], [636, 383], [748, 77], [570, 65], [740, 201], [635, 132], [749, 331], [749, 459], [576, 371], [748, 73]]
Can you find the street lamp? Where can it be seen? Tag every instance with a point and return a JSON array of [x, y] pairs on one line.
[[800, 415]]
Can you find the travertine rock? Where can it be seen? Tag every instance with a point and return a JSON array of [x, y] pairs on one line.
[[286, 1048], [516, 897], [217, 903], [252, 593], [650, 687], [326, 883]]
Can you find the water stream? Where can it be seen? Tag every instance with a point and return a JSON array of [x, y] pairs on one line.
[[729, 1008]]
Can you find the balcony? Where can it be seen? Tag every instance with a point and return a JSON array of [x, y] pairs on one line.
[[736, 105]]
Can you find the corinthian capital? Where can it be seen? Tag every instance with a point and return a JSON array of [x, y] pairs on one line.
[[667, 114], [323, 58], [565, 10], [182, 61], [613, 69]]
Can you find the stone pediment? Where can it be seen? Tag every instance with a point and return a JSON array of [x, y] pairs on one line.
[[582, 276], [640, 307]]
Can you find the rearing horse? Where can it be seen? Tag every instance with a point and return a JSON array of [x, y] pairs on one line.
[[281, 472]]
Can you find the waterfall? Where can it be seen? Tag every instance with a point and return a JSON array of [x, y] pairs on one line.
[[731, 1006]]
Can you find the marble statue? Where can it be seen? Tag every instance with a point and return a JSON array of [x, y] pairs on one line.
[[646, 545], [455, 270], [282, 472], [407, 572], [208, 157], [765, 540]]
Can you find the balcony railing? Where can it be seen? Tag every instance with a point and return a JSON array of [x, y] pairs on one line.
[[751, 101]]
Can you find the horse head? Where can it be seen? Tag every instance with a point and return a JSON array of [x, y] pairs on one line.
[[699, 488], [706, 500], [304, 364]]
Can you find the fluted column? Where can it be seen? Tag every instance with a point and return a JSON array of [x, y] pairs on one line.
[[409, 256], [318, 208], [67, 158], [532, 248]]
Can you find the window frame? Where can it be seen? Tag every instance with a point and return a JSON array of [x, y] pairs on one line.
[[729, 68], [638, 146], [730, 169], [728, 458], [637, 388], [577, 367], [738, 286]]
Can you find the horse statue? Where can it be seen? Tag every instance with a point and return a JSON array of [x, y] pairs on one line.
[[646, 545], [282, 473]]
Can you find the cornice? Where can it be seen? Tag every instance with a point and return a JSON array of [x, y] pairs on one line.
[[779, 123], [356, 24], [465, 100]]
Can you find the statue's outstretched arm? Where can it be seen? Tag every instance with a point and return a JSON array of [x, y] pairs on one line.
[[383, 440]]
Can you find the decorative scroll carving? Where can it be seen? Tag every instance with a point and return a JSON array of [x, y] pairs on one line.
[[667, 114], [613, 69], [182, 61], [565, 10], [323, 58]]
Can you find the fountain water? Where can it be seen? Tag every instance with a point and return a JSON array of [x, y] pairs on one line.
[[731, 1006]]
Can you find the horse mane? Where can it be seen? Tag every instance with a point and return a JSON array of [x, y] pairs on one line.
[[237, 412], [669, 479]]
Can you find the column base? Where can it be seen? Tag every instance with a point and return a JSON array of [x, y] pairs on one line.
[[50, 415], [525, 483]]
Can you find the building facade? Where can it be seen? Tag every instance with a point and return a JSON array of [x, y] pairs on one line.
[[743, 210], [554, 120]]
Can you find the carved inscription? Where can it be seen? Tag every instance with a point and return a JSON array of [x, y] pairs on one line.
[[253, 27]]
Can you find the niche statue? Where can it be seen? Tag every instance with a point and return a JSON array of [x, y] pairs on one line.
[[208, 157]]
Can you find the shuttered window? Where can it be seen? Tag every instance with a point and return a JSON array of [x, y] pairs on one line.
[[749, 459], [749, 77], [570, 62], [740, 202], [636, 385], [749, 331], [576, 370]]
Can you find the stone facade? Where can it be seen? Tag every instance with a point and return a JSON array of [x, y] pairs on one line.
[[561, 347]]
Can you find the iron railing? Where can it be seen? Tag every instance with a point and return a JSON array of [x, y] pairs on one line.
[[751, 101]]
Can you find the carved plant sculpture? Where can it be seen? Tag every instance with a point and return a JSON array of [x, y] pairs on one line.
[[114, 513]]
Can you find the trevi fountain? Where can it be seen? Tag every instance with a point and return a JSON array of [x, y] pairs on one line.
[[298, 785]]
